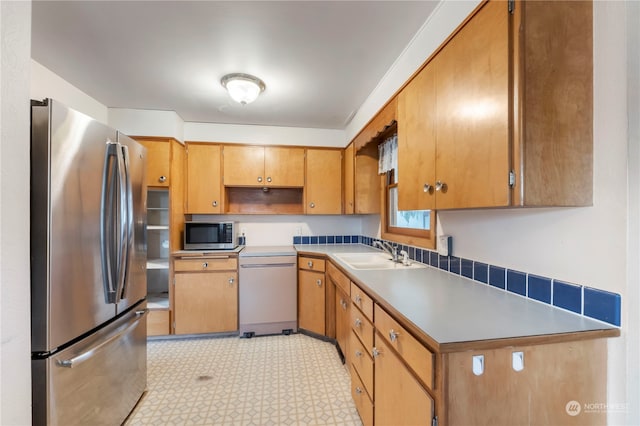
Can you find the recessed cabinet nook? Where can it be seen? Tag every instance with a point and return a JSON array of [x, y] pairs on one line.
[[500, 115]]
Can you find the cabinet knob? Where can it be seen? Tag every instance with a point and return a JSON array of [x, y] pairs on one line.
[[319, 283], [441, 186], [312, 205], [214, 204], [310, 264], [358, 354], [427, 188], [393, 335], [358, 390], [259, 178], [232, 280], [357, 322], [268, 178], [162, 179], [375, 352], [358, 298], [205, 265]]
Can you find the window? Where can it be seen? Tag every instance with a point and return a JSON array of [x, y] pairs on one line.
[[405, 226]]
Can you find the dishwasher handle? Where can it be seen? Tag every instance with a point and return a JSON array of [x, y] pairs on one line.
[[268, 265]]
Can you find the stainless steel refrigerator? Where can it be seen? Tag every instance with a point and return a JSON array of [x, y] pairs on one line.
[[88, 269]]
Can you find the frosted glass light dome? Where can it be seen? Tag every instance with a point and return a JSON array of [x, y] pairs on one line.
[[243, 88]]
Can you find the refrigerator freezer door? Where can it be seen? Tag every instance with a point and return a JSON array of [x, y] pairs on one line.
[[96, 381], [135, 275], [67, 161]]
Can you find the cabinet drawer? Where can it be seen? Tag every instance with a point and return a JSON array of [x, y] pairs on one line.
[[362, 327], [206, 264], [362, 362], [419, 358], [339, 278], [362, 301], [311, 263], [361, 399]]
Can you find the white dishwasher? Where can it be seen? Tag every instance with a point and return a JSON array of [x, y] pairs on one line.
[[268, 296]]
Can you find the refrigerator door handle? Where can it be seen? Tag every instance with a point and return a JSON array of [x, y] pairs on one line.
[[89, 353], [108, 219], [127, 222]]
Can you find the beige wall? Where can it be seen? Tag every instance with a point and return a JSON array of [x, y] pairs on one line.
[[15, 366]]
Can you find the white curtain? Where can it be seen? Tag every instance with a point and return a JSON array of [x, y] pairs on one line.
[[388, 156]]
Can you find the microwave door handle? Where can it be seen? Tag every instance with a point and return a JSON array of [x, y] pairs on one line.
[[108, 204]]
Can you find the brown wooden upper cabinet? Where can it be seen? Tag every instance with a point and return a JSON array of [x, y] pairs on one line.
[[263, 166], [323, 189], [158, 161], [483, 126], [204, 187]]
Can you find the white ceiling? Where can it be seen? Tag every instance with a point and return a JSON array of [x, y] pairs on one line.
[[319, 59]]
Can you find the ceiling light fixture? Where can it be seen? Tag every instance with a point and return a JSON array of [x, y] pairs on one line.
[[243, 88]]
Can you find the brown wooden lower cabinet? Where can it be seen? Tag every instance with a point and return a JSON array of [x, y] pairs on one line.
[[311, 301], [205, 295]]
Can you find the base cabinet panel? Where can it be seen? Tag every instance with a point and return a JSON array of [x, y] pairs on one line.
[[399, 398], [158, 323], [311, 301], [206, 302], [551, 377]]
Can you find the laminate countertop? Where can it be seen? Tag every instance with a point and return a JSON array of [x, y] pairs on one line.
[[455, 313]]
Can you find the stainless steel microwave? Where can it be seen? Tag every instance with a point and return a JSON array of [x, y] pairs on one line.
[[210, 235]]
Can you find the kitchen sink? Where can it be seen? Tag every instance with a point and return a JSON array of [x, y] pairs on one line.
[[374, 261]]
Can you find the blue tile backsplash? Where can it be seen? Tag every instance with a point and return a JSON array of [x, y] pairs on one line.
[[590, 302]]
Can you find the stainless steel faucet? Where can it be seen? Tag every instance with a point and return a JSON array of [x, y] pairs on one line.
[[392, 250]]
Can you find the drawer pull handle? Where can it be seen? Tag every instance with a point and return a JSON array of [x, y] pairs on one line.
[[214, 204], [375, 352], [232, 280], [259, 178], [358, 354], [393, 335], [319, 283], [358, 298], [358, 390], [310, 264], [268, 178], [312, 205], [162, 179], [205, 265], [357, 322]]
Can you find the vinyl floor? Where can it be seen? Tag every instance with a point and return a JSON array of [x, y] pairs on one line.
[[267, 380]]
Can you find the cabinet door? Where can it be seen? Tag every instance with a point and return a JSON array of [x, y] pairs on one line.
[[323, 190], [349, 180], [343, 318], [284, 167], [399, 398], [311, 301], [206, 302], [417, 142], [243, 165], [472, 88], [158, 157], [203, 179]]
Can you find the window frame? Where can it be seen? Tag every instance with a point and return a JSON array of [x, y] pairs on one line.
[[410, 236]]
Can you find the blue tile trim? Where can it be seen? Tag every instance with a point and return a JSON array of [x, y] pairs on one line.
[[517, 282], [433, 259], [602, 305], [443, 262], [480, 271], [466, 268], [496, 276], [454, 265], [539, 288], [567, 296], [297, 240]]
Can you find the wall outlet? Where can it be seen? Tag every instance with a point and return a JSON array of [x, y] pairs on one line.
[[444, 245]]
